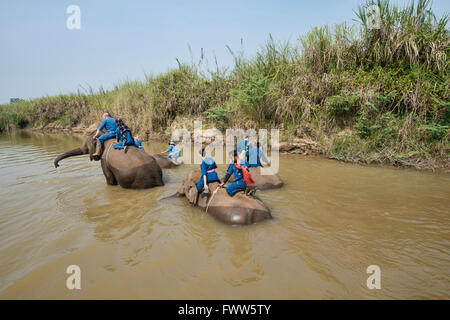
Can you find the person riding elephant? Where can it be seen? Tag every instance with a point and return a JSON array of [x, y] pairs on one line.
[[264, 178], [164, 162], [109, 124], [208, 168], [242, 177], [171, 160], [123, 136], [242, 148], [172, 151], [254, 156], [134, 169]]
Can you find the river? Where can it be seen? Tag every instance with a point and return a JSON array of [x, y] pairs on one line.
[[331, 221]]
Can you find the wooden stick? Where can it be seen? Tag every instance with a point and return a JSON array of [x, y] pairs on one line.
[[210, 200]]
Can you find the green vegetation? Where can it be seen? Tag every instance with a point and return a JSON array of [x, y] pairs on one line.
[[363, 94], [15, 115]]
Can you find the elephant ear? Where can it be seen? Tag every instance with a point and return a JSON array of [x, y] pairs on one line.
[[91, 146], [91, 133], [191, 193]]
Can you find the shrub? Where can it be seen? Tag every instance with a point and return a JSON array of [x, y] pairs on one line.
[[343, 103], [253, 96], [435, 131], [363, 125], [219, 113]]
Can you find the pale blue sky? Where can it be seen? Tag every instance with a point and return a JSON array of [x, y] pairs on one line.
[[121, 40]]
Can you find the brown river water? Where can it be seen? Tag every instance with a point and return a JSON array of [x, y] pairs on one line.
[[331, 221]]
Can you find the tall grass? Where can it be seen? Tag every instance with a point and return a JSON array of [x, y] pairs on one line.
[[14, 116], [363, 94], [410, 34]]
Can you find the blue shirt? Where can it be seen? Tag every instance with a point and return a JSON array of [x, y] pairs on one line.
[[254, 154], [109, 123], [172, 148], [242, 145], [209, 164], [238, 175]]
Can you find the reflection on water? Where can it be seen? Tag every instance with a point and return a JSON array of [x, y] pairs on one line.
[[331, 221]]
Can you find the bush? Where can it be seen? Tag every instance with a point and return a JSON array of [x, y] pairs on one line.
[[342, 104], [219, 113], [253, 96], [379, 102], [363, 125], [435, 131]]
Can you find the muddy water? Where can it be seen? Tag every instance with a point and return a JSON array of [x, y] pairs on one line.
[[331, 221]]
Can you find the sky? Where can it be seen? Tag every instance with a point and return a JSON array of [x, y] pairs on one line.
[[122, 40]]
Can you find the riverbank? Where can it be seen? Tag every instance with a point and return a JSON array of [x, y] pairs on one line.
[[297, 146], [355, 94]]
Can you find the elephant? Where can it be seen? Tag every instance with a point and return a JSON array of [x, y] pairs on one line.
[[135, 169], [164, 162], [265, 182], [237, 210]]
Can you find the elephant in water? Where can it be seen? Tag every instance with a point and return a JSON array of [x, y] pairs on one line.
[[265, 182], [164, 162], [237, 210], [135, 169]]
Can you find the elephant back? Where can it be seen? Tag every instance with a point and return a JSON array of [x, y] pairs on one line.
[[265, 182], [133, 158]]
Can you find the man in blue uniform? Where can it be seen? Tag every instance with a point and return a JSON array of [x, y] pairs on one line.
[[255, 155], [242, 176], [173, 151], [242, 148], [109, 124], [209, 174]]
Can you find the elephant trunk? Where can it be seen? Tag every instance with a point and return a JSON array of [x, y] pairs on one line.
[[71, 153]]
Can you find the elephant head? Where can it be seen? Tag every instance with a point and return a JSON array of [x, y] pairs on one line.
[[88, 147]]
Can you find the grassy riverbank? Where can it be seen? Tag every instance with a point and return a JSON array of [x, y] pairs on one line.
[[348, 92]]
